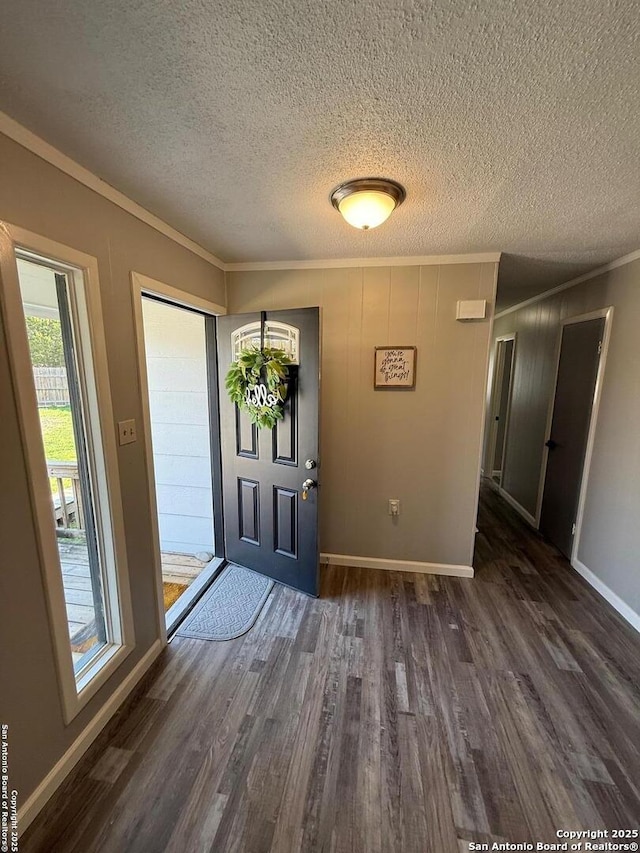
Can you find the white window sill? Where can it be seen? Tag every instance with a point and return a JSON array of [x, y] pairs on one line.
[[94, 677]]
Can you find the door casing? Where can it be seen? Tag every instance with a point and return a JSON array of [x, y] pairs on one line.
[[142, 285]]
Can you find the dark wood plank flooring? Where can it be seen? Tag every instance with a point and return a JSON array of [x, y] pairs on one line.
[[398, 712]]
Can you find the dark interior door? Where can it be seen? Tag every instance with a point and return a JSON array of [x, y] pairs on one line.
[[575, 387], [268, 525]]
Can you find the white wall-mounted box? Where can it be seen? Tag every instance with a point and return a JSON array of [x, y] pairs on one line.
[[471, 309]]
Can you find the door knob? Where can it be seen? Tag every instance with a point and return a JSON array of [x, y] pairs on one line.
[[308, 484]]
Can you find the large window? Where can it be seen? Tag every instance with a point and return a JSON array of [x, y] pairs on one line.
[[62, 410], [68, 427]]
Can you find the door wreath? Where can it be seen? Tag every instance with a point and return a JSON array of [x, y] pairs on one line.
[[257, 382]]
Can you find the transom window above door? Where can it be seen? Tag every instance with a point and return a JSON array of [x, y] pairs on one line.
[[277, 335]]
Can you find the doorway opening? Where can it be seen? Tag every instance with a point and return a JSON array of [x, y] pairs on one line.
[[503, 386], [181, 379]]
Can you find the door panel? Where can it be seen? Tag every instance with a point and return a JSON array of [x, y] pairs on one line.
[[246, 435], [268, 526], [575, 388]]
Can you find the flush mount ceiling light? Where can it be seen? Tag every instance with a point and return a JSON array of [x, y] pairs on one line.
[[367, 202]]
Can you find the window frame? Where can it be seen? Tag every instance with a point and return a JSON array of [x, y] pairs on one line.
[[81, 270]]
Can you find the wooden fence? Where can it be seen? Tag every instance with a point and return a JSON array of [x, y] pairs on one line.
[[51, 386]]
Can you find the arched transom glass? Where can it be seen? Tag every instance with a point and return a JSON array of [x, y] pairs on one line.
[[277, 335]]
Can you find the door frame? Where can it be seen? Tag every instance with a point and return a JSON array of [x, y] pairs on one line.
[[498, 369], [598, 314], [142, 285]]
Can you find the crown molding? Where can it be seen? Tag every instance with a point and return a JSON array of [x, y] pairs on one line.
[[29, 140], [15, 131], [612, 265], [341, 263]]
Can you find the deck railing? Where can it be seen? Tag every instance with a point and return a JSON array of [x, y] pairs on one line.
[[67, 503]]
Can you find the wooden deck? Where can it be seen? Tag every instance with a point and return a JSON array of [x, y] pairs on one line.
[[180, 568], [76, 579]]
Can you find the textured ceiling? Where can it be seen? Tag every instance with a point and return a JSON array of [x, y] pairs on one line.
[[513, 126]]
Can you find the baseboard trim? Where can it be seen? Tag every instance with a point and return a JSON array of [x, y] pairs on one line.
[[614, 600], [397, 565], [518, 507], [56, 776]]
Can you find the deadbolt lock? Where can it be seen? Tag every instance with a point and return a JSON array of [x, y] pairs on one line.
[[309, 464]]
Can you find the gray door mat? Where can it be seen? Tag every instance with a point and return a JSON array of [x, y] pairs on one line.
[[230, 608]]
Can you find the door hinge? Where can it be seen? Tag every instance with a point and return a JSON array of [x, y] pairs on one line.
[[599, 347], [573, 530]]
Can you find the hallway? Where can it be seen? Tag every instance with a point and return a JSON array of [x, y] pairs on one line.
[[398, 712]]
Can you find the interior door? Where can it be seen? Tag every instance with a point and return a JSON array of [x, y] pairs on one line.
[[575, 388], [270, 517]]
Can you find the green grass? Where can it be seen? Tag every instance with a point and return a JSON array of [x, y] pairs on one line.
[[57, 433]]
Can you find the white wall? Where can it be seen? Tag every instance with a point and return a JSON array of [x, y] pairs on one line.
[[178, 399]]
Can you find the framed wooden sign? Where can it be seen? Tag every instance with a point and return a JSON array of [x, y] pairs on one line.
[[395, 367]]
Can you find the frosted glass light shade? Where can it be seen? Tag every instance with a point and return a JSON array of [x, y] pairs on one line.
[[366, 203], [367, 209]]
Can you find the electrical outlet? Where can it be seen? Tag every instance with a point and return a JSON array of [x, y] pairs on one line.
[[126, 431], [394, 507]]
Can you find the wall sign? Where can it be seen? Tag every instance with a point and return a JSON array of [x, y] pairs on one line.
[[395, 367]]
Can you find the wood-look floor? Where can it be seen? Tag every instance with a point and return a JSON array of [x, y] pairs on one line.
[[398, 712]]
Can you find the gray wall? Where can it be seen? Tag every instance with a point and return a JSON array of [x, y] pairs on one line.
[[610, 542], [37, 196], [419, 446]]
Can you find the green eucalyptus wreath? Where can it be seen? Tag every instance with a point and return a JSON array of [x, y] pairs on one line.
[[257, 383]]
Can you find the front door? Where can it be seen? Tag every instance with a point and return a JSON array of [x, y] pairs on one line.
[[575, 388], [270, 476]]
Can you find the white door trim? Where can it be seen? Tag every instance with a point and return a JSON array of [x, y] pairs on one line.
[[607, 314], [142, 285]]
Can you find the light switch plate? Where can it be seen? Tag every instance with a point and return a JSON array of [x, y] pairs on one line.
[[127, 431]]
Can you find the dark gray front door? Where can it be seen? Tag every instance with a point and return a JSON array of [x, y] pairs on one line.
[[575, 387], [268, 526]]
